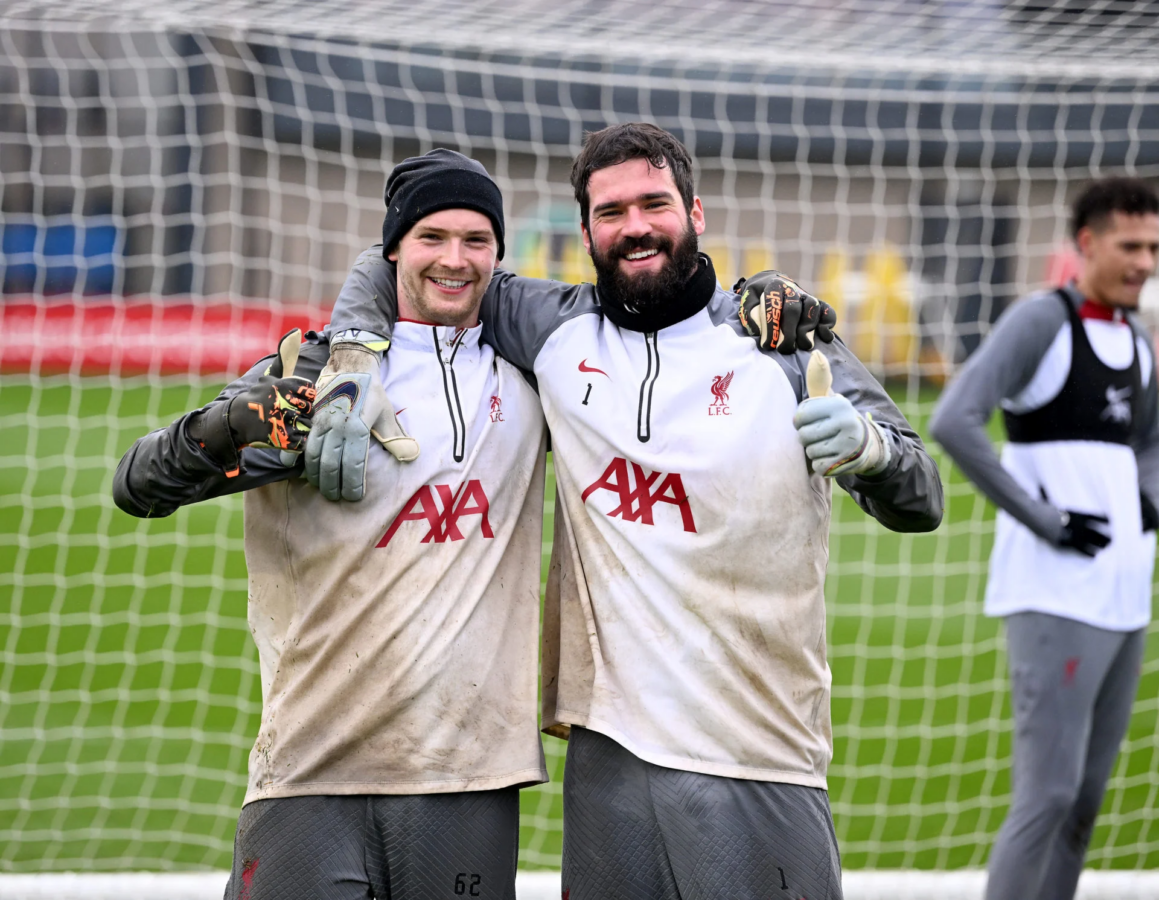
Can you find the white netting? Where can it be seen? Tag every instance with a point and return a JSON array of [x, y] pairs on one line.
[[178, 180]]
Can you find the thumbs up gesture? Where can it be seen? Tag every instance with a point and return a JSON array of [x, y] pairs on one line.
[[838, 440]]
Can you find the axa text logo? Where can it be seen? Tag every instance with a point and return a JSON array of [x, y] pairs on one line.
[[443, 514], [639, 493]]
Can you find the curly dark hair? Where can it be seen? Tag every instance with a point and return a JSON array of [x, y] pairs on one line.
[[633, 140], [1099, 199]]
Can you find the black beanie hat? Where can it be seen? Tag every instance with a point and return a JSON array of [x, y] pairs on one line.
[[438, 180]]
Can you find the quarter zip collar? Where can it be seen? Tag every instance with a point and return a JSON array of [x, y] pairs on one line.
[[644, 410], [449, 346], [447, 354], [423, 337], [690, 300]]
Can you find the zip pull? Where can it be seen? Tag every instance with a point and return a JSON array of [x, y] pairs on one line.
[[644, 412], [451, 393]]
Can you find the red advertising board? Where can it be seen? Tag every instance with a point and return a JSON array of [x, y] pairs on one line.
[[144, 336]]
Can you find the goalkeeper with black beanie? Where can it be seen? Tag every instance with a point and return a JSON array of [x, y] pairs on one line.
[[397, 637], [1070, 573]]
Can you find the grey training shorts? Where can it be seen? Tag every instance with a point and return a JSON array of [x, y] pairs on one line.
[[385, 847], [637, 831]]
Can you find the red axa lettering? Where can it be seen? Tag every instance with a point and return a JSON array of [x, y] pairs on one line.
[[636, 503], [469, 500]]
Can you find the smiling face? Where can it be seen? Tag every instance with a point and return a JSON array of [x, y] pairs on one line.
[[445, 263], [1119, 256], [641, 238]]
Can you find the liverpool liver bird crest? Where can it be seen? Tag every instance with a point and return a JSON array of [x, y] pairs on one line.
[[720, 385]]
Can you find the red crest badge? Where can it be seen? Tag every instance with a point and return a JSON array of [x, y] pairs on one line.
[[719, 388]]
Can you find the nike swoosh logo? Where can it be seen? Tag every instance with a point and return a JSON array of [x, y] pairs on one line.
[[584, 367]]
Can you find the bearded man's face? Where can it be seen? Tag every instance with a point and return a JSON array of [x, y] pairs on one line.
[[650, 287], [641, 238]]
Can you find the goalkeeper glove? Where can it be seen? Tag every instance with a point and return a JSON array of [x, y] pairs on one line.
[[780, 315], [350, 408], [274, 412], [838, 440]]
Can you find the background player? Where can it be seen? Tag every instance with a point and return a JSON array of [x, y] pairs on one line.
[[1070, 572], [684, 644], [398, 637]]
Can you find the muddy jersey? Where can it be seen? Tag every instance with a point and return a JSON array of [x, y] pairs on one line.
[[685, 612], [398, 636]]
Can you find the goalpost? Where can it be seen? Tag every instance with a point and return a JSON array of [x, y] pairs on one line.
[[181, 182]]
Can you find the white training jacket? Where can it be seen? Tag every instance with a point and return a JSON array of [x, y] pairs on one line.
[[685, 611], [397, 636]]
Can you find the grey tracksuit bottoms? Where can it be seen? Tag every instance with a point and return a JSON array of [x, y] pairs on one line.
[[1073, 686]]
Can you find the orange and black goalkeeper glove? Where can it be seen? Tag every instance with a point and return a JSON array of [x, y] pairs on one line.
[[274, 412], [781, 316]]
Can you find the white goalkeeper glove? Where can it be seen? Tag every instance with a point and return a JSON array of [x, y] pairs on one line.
[[349, 409], [838, 440]]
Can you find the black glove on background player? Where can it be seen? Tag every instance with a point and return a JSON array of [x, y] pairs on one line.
[[1149, 513], [1079, 532], [780, 315], [272, 413], [1078, 529]]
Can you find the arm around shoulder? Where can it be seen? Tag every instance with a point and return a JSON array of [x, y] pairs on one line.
[[367, 305], [518, 314]]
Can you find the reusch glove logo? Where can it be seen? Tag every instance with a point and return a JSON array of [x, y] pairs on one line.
[[636, 503], [781, 316]]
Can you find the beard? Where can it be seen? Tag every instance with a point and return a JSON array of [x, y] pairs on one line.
[[646, 290]]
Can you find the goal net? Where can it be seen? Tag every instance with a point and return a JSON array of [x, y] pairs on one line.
[[181, 182]]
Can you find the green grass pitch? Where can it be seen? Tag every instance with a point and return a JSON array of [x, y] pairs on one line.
[[129, 694]]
